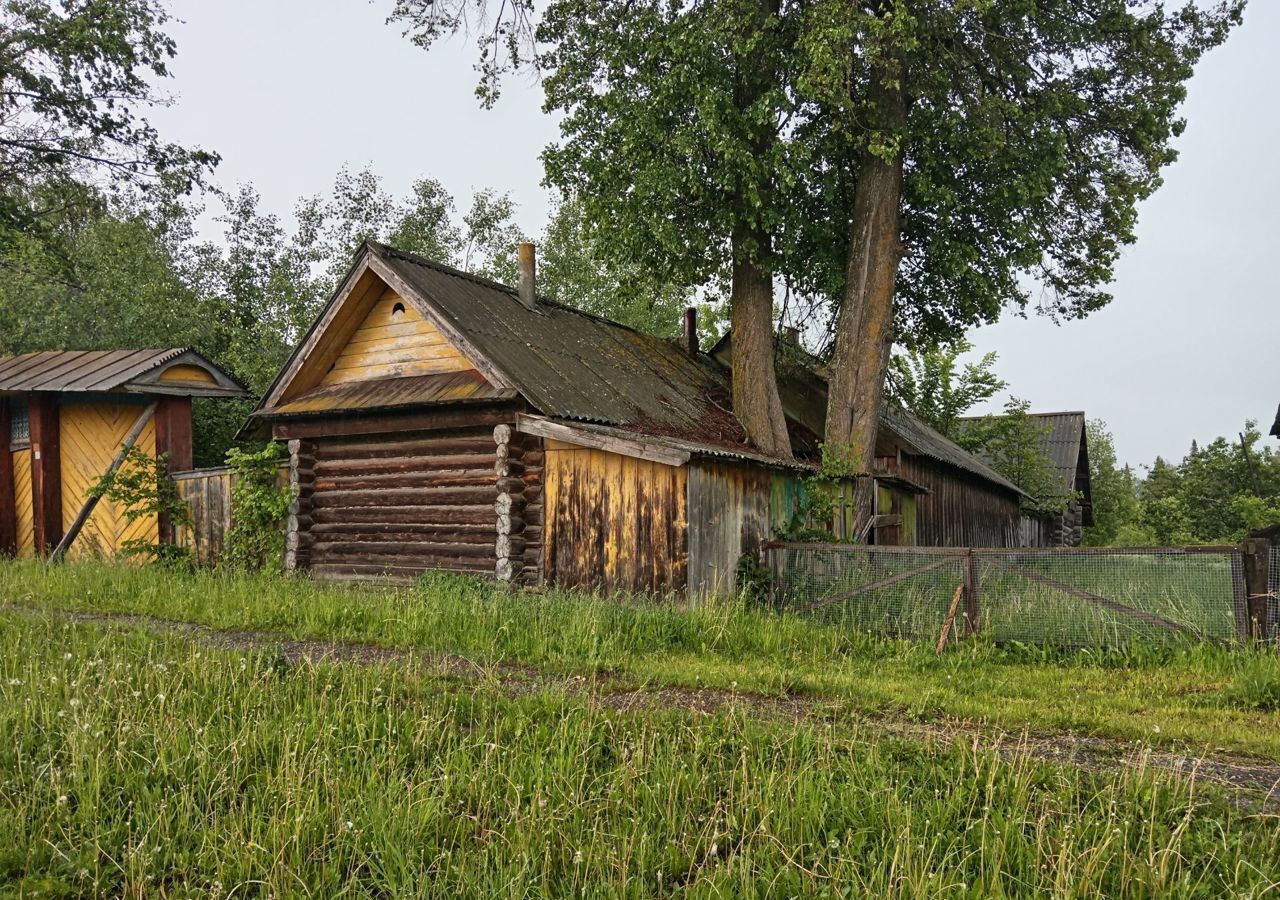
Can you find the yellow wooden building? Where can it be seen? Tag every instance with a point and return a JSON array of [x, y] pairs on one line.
[[66, 415], [437, 420]]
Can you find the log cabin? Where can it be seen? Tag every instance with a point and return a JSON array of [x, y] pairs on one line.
[[438, 420], [67, 413]]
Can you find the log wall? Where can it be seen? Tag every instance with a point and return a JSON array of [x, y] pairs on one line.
[[960, 510], [399, 504]]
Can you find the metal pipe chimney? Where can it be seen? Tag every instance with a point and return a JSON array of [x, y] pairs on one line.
[[527, 288], [689, 339]]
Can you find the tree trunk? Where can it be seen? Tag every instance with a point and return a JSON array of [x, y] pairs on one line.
[[864, 335], [755, 385]]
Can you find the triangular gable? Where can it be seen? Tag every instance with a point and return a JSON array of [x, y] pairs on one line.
[[363, 334]]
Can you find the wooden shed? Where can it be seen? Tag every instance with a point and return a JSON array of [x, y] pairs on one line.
[[66, 415], [437, 420]]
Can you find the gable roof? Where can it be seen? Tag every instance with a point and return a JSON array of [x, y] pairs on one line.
[[567, 364], [573, 367], [133, 371]]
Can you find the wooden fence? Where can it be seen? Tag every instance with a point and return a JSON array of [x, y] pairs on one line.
[[208, 493]]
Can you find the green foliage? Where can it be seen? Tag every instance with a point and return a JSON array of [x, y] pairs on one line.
[[141, 486], [1014, 445], [74, 79], [825, 497], [259, 504], [1114, 490], [929, 383], [753, 578], [574, 269]]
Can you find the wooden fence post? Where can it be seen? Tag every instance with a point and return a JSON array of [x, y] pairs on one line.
[[1257, 560], [972, 594]]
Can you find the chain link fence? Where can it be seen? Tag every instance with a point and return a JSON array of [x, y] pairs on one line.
[[1071, 598], [1273, 599]]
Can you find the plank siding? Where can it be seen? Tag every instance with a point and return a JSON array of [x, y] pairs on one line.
[[23, 510], [614, 523], [730, 514], [399, 504], [394, 340], [208, 494], [91, 436], [960, 510]]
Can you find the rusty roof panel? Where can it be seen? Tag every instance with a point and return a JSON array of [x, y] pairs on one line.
[[385, 393], [63, 371]]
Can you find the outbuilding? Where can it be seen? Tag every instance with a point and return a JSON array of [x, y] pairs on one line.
[[438, 420], [66, 414]]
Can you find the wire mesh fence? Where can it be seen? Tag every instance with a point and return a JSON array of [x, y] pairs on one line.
[[1273, 595], [1071, 598]]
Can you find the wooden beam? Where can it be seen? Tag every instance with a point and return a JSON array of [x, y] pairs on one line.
[[173, 437], [46, 471], [1257, 561], [92, 501], [347, 423], [634, 447], [8, 495], [173, 431]]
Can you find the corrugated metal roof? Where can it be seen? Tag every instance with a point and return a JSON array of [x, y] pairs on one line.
[[76, 371], [385, 393], [928, 442], [572, 365]]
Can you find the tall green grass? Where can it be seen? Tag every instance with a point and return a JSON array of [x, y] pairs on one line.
[[138, 766], [1191, 696]]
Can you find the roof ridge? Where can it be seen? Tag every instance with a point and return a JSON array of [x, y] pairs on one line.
[[418, 259]]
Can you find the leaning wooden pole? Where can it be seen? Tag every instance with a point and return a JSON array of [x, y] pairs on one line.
[[92, 501]]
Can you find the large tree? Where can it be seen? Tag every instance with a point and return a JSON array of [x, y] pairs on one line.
[[1000, 150]]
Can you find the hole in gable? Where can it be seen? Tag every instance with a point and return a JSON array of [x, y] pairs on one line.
[[397, 310]]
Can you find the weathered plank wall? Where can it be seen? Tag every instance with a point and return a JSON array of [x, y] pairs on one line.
[[22, 499], [394, 340], [614, 522], [208, 493], [90, 438], [399, 504], [730, 513], [959, 510]]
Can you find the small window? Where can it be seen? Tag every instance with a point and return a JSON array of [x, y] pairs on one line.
[[19, 427], [397, 310]]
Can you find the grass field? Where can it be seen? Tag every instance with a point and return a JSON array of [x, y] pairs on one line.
[[140, 766], [1187, 696]]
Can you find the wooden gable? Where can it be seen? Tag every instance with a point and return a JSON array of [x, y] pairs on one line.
[[394, 341]]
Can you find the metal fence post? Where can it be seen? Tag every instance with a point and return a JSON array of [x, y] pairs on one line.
[[1257, 562], [972, 594]]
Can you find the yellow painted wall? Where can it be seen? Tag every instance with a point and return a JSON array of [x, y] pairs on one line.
[[613, 522], [393, 343], [22, 496], [91, 436], [188, 375]]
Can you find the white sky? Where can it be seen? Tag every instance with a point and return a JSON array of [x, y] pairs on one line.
[[290, 90]]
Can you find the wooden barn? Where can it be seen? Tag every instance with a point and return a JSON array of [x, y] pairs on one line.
[[66, 415], [437, 420]]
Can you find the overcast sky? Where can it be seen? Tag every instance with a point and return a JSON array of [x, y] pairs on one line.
[[290, 90]]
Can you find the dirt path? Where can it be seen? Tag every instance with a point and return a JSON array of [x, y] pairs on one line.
[[1254, 783]]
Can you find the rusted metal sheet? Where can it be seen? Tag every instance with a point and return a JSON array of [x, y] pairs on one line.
[[730, 514], [614, 522], [386, 393], [108, 370]]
